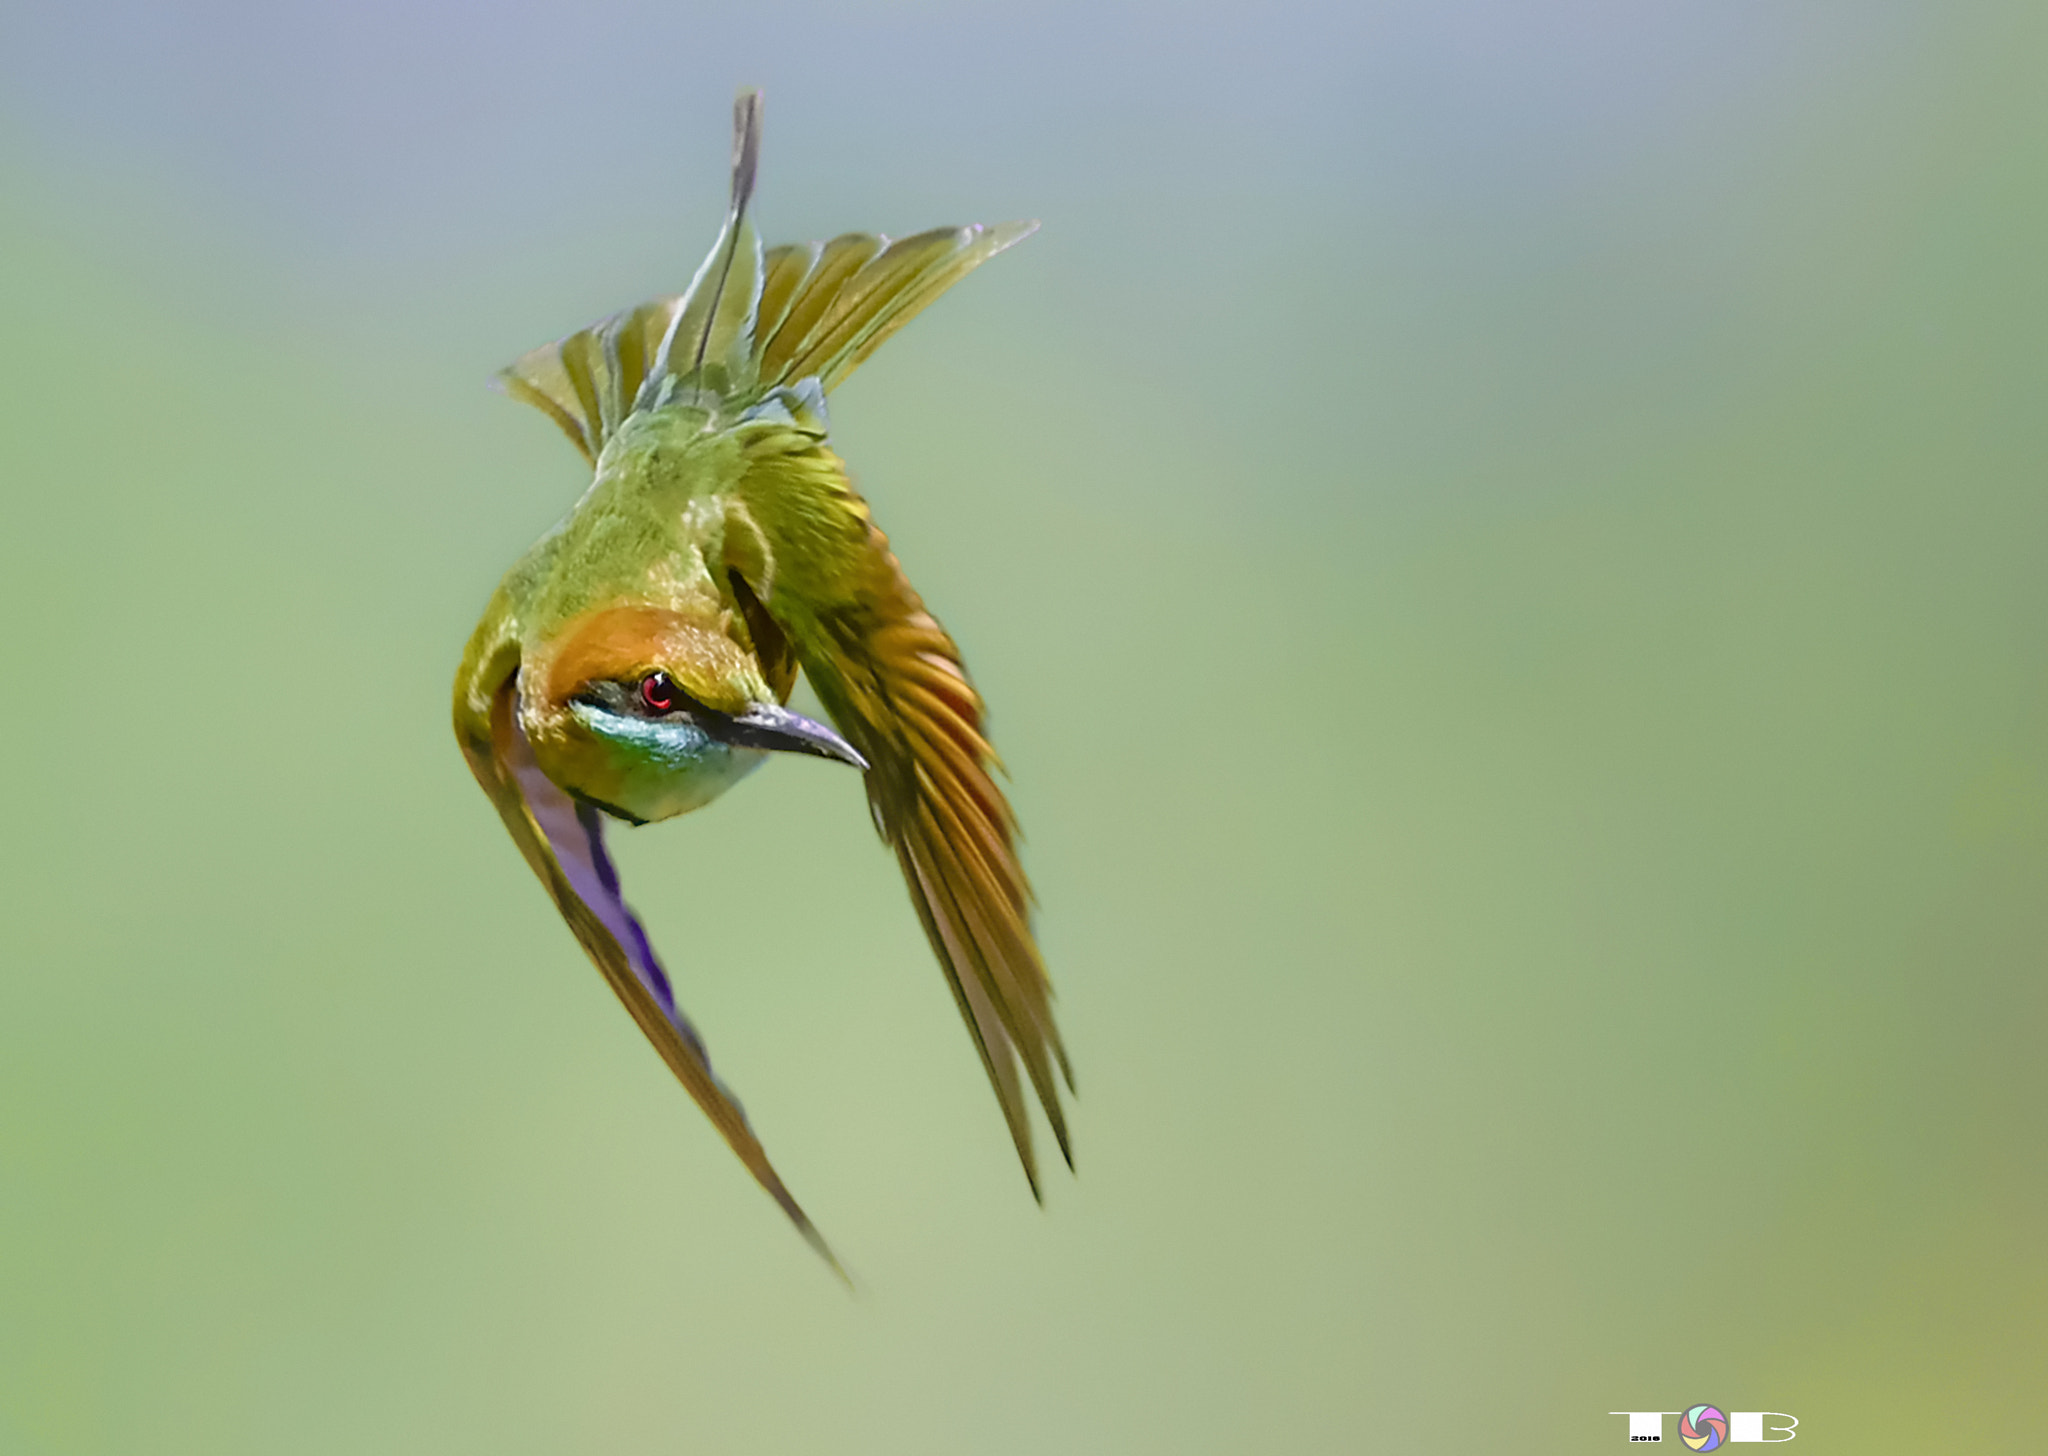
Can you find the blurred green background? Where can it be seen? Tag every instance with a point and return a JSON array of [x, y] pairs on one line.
[[1504, 545]]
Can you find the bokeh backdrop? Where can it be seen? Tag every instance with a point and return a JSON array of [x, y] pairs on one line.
[[1504, 542]]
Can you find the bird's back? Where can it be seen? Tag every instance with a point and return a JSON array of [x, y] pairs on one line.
[[650, 528]]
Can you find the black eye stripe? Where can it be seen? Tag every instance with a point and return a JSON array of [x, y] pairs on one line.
[[657, 695]]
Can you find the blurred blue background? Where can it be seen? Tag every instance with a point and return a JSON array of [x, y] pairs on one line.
[[1503, 542]]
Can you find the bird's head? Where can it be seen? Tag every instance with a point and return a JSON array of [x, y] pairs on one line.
[[647, 713]]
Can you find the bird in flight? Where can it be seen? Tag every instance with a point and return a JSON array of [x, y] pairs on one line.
[[637, 661]]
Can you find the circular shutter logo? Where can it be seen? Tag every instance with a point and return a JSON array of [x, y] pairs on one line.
[[1703, 1428]]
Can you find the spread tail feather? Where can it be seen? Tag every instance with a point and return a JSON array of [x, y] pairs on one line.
[[712, 329], [753, 323], [825, 308]]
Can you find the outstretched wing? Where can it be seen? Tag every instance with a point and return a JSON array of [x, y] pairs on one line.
[[564, 842], [892, 681]]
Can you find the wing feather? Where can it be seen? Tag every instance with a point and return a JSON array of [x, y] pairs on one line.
[[991, 1041], [564, 843], [892, 681]]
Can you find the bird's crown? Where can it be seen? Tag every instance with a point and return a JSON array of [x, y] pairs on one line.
[[634, 645]]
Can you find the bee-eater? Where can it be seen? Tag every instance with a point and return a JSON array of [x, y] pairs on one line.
[[635, 663]]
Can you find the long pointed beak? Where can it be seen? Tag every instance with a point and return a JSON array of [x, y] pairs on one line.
[[770, 727]]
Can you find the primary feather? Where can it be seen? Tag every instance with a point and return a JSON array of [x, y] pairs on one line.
[[893, 683]]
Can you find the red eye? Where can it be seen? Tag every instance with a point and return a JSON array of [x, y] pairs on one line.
[[658, 692]]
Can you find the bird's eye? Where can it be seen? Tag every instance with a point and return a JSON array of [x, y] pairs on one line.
[[659, 692]]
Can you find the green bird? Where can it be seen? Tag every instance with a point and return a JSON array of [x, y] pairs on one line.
[[636, 662]]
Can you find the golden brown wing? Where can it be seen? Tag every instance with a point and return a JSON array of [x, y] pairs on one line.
[[893, 683]]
